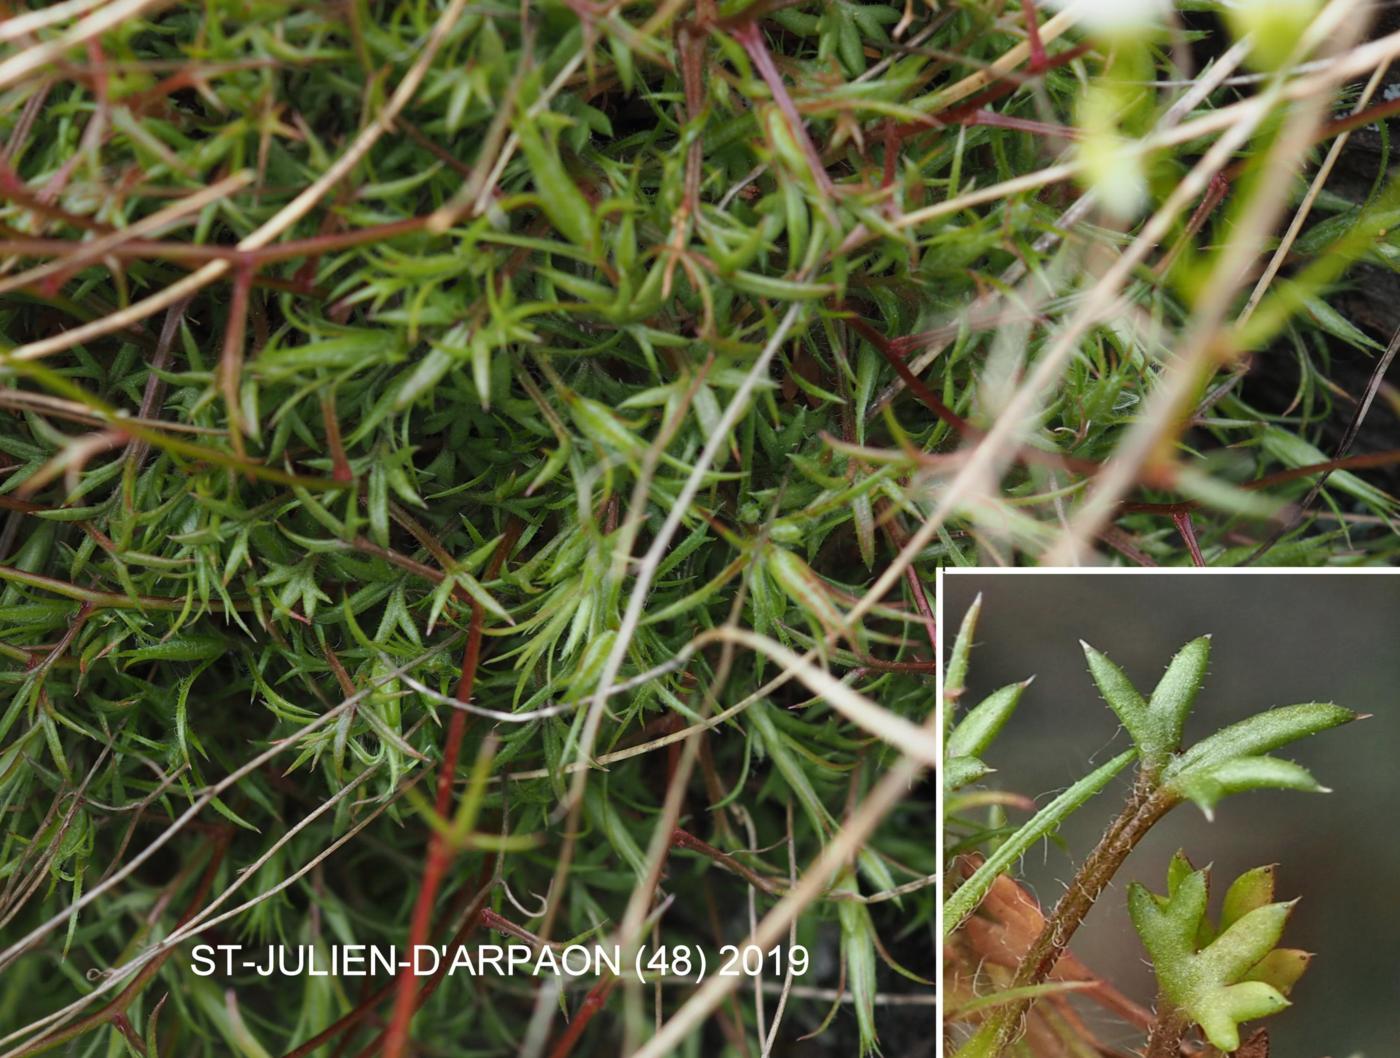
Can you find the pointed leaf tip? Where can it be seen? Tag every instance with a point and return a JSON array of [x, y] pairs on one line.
[[1206, 785], [1218, 979], [1122, 697], [984, 721], [955, 672], [1258, 735], [1176, 691]]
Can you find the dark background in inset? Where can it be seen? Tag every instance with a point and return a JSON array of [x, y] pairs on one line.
[[1277, 639]]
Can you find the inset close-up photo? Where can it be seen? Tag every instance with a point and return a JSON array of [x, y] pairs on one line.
[[1166, 815], [474, 474]]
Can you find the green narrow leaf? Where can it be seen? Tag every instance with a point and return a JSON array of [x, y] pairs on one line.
[[563, 203], [955, 675], [858, 948], [1259, 734], [1176, 691], [1122, 697], [959, 771], [980, 726], [1206, 785], [429, 372], [1044, 823]]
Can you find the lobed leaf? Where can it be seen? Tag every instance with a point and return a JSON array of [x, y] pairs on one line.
[[1227, 978]]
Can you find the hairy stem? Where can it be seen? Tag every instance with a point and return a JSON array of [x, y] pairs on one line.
[[1144, 807], [1164, 1041]]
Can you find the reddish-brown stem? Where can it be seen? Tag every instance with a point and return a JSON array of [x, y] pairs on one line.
[[1037, 62], [692, 53], [597, 996], [440, 850], [1188, 534], [311, 246], [891, 138], [1218, 187], [1359, 120], [683, 839], [342, 471], [964, 428], [916, 588], [1125, 545], [415, 567], [593, 1002], [992, 119], [750, 36], [335, 1028], [965, 113], [17, 191], [109, 599], [916, 385], [368, 1003], [1365, 461], [123, 1025], [231, 360], [480, 916], [1164, 1041], [1143, 809], [93, 133]]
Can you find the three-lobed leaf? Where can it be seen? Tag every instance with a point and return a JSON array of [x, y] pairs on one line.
[[1218, 979]]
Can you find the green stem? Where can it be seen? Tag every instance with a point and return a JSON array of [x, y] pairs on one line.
[[107, 599]]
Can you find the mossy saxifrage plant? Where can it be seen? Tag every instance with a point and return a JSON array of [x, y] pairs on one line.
[[1214, 976], [406, 405]]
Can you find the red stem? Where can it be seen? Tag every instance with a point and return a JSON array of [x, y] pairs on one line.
[[751, 37], [964, 428], [440, 850], [1038, 60], [593, 1002], [1188, 533]]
